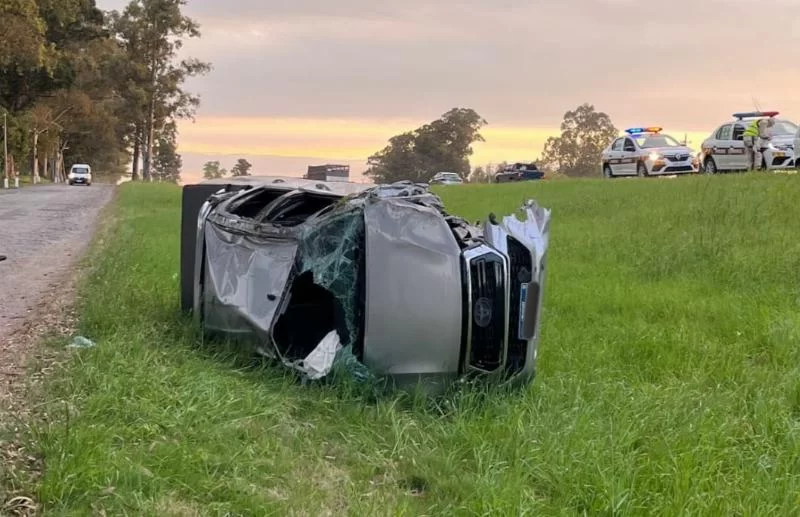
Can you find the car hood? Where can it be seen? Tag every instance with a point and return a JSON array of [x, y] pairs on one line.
[[670, 150], [783, 139]]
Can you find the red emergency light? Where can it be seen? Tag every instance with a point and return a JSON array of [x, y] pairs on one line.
[[643, 130], [755, 114]]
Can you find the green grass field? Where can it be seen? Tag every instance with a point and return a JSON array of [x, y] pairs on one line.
[[668, 381]]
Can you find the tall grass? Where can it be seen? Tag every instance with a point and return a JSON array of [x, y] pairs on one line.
[[668, 381]]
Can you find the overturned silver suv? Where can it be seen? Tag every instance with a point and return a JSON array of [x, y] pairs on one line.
[[308, 272]]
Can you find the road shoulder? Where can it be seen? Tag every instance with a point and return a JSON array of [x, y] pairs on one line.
[[26, 360]]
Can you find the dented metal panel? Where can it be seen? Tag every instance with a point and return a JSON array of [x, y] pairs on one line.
[[244, 282], [413, 290]]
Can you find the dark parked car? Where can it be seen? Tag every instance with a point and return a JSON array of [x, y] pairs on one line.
[[308, 272], [519, 172]]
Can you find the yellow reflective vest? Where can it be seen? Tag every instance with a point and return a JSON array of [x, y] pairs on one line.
[[752, 129]]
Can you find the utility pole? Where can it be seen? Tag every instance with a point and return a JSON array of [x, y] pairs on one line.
[[5, 150]]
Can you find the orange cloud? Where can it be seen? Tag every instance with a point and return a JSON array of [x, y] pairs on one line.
[[350, 139]]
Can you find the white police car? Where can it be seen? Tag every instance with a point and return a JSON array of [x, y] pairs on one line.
[[724, 150], [647, 152]]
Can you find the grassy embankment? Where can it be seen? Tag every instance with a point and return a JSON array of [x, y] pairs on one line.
[[669, 379]]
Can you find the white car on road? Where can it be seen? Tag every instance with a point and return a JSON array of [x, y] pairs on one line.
[[647, 152], [724, 150], [80, 174]]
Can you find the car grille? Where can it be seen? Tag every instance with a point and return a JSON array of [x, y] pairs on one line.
[[520, 274], [679, 168], [678, 157], [487, 311]]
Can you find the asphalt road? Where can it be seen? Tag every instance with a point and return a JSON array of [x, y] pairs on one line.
[[44, 230]]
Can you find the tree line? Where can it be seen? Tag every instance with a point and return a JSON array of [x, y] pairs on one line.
[[213, 170], [78, 84], [446, 145]]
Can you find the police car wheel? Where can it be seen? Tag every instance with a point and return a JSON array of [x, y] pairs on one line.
[[641, 170], [607, 172], [710, 166]]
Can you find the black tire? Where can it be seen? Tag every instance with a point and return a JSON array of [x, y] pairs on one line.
[[607, 172], [710, 166], [641, 170]]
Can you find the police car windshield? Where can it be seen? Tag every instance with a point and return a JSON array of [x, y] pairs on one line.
[[783, 127], [650, 141]]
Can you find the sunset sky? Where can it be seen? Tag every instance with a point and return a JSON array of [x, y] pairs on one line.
[[297, 82]]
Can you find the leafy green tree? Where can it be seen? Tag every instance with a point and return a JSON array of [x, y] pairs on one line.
[[152, 33], [442, 145], [167, 163], [55, 81], [212, 171], [23, 44], [585, 132], [242, 168]]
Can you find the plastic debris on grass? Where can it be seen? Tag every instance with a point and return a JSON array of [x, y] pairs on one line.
[[81, 342]]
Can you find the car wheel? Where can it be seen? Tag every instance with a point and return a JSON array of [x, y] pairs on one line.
[[607, 172], [641, 170], [710, 166]]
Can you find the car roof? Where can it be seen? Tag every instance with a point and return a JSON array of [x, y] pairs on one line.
[[744, 122]]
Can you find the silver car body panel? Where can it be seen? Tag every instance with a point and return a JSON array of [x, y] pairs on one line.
[[245, 283], [413, 313]]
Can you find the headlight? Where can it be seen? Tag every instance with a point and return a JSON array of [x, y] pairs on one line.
[[693, 154], [655, 156]]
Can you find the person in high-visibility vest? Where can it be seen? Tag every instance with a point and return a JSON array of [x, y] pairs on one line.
[[756, 138]]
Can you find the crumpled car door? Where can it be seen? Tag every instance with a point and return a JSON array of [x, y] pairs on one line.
[[245, 282]]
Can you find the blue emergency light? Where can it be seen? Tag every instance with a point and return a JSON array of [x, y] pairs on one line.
[[755, 114], [642, 130]]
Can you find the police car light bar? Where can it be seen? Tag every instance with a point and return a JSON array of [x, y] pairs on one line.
[[755, 114], [640, 130]]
